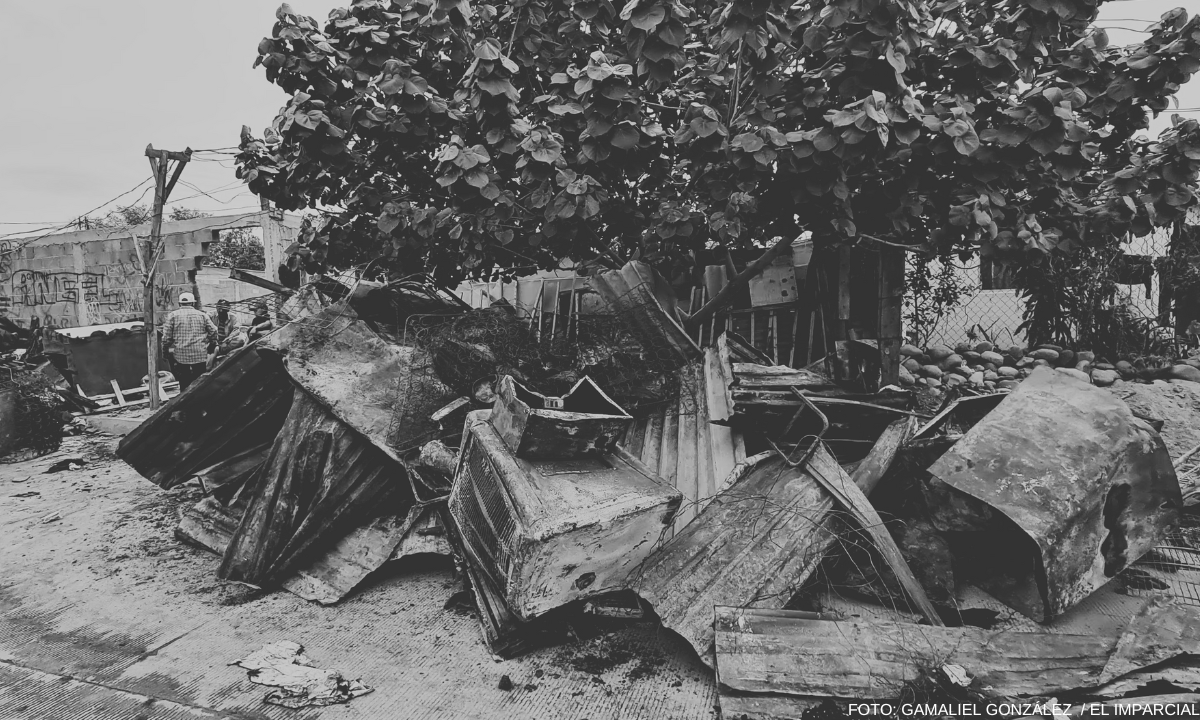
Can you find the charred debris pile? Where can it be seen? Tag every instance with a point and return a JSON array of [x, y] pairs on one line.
[[812, 542]]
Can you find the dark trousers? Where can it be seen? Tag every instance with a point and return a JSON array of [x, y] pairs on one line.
[[185, 373]]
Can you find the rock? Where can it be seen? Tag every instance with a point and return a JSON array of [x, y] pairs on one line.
[[1066, 358], [506, 683], [911, 365], [1008, 373], [1048, 346], [1104, 378], [976, 379], [990, 385], [1185, 372], [1041, 362], [1016, 352], [993, 357], [991, 376], [991, 366], [910, 350], [932, 371], [938, 353], [1026, 362], [1085, 355], [951, 361], [906, 377], [961, 348], [984, 347], [1099, 365], [1194, 362], [954, 380], [1083, 366], [1075, 374], [1007, 385], [1025, 372], [1047, 354], [933, 382], [1126, 369], [972, 357], [962, 371]]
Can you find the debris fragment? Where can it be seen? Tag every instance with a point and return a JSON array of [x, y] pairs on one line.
[[285, 665], [1068, 464], [548, 532], [866, 659]]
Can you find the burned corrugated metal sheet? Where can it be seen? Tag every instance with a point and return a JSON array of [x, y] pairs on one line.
[[795, 653], [682, 442], [239, 405], [321, 479], [643, 298], [1071, 466]]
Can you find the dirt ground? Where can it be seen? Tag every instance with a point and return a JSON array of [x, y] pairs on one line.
[[106, 615]]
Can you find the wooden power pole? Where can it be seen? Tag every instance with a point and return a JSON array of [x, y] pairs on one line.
[[160, 161]]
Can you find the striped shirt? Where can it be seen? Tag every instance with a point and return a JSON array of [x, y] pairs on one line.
[[186, 335]]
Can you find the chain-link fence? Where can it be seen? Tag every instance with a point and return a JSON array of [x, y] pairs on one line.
[[970, 302]]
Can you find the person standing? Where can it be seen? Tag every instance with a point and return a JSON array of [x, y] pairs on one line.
[[187, 335], [230, 335]]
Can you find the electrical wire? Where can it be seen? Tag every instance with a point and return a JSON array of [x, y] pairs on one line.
[[89, 212]]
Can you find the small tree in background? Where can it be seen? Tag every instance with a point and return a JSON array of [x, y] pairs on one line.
[[237, 248]]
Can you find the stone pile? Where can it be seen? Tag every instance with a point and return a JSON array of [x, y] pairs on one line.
[[985, 366]]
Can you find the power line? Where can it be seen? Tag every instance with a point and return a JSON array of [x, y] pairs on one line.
[[68, 224]]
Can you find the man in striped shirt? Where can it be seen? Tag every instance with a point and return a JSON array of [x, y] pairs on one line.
[[187, 335]]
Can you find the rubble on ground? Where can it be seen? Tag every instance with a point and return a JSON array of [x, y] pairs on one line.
[[811, 540]]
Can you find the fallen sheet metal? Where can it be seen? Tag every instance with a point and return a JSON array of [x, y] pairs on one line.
[[239, 405], [284, 665], [756, 543], [644, 298], [321, 479], [332, 573], [685, 442], [548, 532], [782, 652], [1070, 465]]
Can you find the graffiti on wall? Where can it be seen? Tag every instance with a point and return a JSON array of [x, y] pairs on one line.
[[62, 298]]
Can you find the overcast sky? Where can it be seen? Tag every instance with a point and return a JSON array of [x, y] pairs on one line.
[[88, 84]]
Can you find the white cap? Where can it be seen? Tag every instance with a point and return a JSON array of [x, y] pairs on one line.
[[187, 297]]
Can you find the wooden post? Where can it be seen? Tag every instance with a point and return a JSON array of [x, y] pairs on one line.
[[891, 301], [159, 162]]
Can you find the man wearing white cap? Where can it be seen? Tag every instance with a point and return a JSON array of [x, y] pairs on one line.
[[187, 334]]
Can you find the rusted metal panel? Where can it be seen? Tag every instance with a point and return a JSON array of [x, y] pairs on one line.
[[1071, 466], [532, 425], [789, 653], [645, 299], [239, 405], [548, 532]]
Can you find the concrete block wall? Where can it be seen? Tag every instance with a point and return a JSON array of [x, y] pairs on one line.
[[93, 277]]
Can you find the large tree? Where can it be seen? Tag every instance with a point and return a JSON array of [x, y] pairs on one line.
[[456, 137]]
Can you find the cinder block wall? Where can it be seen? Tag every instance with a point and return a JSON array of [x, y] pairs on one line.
[[94, 277]]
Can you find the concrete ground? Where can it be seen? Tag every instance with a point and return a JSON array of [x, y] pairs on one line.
[[106, 615]]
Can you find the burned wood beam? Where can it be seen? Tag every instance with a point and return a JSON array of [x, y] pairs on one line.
[[265, 284]]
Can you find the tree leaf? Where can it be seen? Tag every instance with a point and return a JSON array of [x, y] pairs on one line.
[[648, 18], [489, 49]]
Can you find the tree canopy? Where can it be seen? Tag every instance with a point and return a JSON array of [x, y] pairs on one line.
[[456, 137]]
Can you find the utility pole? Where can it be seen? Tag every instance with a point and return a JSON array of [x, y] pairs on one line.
[[160, 161]]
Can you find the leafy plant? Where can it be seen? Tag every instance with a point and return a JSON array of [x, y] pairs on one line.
[[933, 289], [455, 137]]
